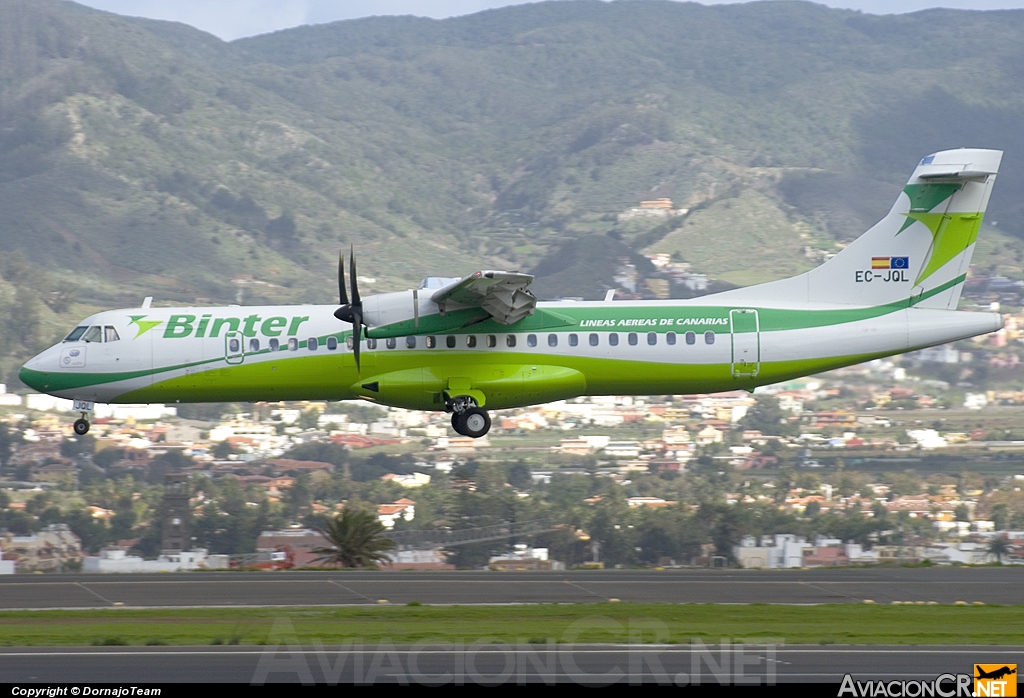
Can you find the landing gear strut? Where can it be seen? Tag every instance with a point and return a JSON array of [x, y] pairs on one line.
[[81, 426], [467, 418]]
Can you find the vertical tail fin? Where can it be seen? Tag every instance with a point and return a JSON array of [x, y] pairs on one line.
[[918, 253]]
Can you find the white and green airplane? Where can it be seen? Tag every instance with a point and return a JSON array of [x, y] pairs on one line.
[[484, 342]]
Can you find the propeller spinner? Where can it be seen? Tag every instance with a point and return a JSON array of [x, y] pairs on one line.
[[350, 311]]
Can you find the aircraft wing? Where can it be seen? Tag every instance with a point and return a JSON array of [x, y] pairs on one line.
[[503, 294]]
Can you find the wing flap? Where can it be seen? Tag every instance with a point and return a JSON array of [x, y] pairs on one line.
[[503, 294]]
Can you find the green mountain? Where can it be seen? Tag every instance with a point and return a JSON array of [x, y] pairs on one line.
[[149, 158]]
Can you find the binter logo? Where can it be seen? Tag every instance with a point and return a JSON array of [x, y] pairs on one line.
[[995, 680], [187, 325], [143, 325]]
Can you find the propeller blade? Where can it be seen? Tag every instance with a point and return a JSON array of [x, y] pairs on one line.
[[342, 291], [356, 301], [357, 337], [350, 310]]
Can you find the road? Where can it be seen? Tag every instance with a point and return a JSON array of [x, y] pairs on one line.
[[210, 589], [495, 664]]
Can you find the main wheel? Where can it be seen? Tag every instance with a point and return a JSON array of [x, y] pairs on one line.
[[81, 427], [474, 422], [455, 423]]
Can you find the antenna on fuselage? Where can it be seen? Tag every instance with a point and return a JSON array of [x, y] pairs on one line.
[[147, 301], [610, 295]]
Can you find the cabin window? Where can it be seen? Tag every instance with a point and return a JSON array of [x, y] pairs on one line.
[[254, 346], [293, 344], [431, 341], [594, 339], [613, 339], [391, 342], [670, 338], [275, 344], [371, 343], [349, 342], [312, 344], [574, 339], [234, 345], [652, 338], [531, 340], [691, 338], [510, 340], [552, 340], [94, 334], [492, 341], [632, 339], [76, 333], [410, 342], [471, 340], [110, 334], [709, 337], [332, 343], [449, 341]]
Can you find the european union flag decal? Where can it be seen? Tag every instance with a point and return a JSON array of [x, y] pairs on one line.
[[899, 262]]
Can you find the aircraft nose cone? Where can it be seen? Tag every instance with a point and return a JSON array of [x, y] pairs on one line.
[[34, 372], [28, 376]]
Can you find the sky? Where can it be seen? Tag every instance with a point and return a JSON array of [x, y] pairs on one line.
[[233, 19]]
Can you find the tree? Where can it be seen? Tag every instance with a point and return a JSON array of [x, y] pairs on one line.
[[1000, 516], [355, 540], [223, 449], [518, 475], [7, 441], [23, 319], [999, 547], [767, 417], [283, 227]]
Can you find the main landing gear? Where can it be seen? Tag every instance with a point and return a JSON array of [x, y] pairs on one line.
[[468, 419]]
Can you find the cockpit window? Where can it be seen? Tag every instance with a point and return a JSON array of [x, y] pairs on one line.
[[110, 334], [76, 333], [95, 334]]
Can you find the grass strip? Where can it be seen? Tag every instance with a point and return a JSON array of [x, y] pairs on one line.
[[583, 623]]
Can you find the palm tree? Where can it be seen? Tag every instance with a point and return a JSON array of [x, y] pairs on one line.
[[999, 546], [355, 540]]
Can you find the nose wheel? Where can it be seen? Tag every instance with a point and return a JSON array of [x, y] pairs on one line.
[[81, 427]]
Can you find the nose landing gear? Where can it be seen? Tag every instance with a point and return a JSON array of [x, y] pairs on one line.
[[467, 418], [84, 408]]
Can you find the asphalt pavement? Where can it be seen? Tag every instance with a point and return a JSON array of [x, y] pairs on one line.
[[945, 585], [493, 664]]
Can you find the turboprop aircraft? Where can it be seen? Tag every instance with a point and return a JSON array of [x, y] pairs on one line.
[[484, 342]]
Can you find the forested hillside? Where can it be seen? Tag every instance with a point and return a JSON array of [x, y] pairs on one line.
[[148, 158]]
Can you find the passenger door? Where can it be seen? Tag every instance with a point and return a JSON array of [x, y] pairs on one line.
[[746, 342]]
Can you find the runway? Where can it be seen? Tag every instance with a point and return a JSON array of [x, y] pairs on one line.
[[282, 589], [493, 664]]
